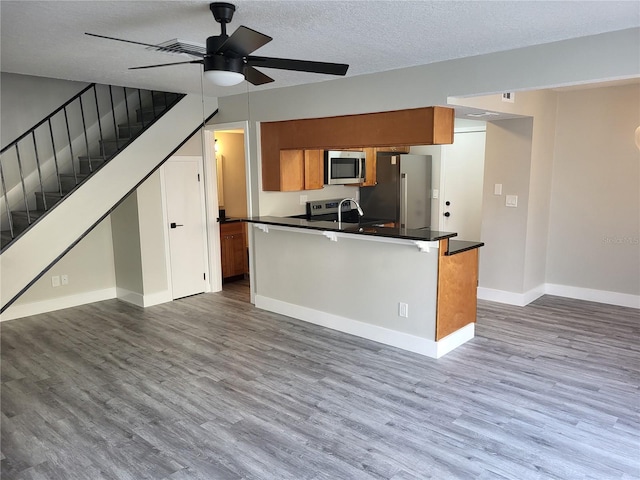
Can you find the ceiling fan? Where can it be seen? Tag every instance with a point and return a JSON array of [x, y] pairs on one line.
[[227, 61]]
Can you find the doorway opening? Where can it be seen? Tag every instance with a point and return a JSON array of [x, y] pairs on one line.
[[227, 159]]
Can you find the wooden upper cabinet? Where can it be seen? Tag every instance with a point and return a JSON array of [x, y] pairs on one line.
[[291, 170], [301, 170], [313, 169], [370, 179], [419, 126]]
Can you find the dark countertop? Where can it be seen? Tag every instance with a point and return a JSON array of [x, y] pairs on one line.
[[424, 234], [459, 246]]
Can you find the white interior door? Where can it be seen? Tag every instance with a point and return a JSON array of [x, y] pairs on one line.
[[462, 170], [186, 223]]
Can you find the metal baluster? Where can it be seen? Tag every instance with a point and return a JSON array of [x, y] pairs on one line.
[[141, 110], [86, 138], [153, 105], [24, 189], [95, 95], [126, 107], [55, 157], [35, 149], [73, 164], [6, 201], [113, 112]]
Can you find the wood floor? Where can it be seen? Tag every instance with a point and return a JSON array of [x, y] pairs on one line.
[[209, 388]]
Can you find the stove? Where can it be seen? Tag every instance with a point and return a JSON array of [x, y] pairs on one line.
[[327, 210]]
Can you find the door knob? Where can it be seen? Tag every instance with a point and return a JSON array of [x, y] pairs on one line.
[[175, 225], [447, 203], [447, 214]]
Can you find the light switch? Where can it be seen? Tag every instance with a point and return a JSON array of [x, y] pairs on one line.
[[497, 189], [511, 201], [436, 193]]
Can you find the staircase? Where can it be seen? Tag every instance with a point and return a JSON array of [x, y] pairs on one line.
[[91, 186], [139, 115]]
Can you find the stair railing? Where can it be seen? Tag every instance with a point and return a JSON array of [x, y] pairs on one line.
[[35, 161]]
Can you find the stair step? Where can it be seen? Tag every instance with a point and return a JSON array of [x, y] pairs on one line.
[[111, 146], [51, 197], [163, 99], [147, 114], [21, 220], [68, 181], [94, 162], [5, 238], [128, 130]]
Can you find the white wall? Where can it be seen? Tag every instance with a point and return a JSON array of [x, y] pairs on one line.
[[25, 100], [234, 180], [595, 218], [342, 278], [504, 229], [90, 269]]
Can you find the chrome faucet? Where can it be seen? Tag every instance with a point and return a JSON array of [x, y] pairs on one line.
[[360, 212]]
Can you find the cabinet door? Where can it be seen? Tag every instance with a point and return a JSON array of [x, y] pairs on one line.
[[369, 168], [233, 249], [291, 170], [313, 169]]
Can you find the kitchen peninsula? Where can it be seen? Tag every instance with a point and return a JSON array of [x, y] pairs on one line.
[[412, 289]]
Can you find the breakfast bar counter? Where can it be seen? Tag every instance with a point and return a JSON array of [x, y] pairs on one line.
[[410, 289]]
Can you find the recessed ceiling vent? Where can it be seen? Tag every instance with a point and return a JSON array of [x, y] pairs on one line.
[[483, 114], [179, 47]]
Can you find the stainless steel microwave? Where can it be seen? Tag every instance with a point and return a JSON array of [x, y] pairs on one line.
[[343, 167]]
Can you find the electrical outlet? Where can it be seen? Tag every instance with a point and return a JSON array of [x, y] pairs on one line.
[[303, 199], [55, 281], [403, 310], [509, 97], [64, 279], [511, 201]]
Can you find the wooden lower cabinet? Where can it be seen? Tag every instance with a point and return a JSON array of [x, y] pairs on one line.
[[457, 290], [233, 249]]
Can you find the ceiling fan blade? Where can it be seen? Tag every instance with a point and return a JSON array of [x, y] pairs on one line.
[[243, 41], [298, 65], [256, 77], [165, 65], [159, 47]]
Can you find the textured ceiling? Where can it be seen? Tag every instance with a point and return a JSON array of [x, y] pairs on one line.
[[46, 38]]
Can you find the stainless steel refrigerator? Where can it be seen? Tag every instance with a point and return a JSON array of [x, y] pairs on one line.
[[402, 192]]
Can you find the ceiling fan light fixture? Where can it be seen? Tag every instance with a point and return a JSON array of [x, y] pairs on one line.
[[223, 71], [223, 78]]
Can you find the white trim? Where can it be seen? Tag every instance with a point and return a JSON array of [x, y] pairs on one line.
[[165, 234], [211, 195], [45, 306], [144, 301], [567, 291], [386, 336], [600, 296], [455, 339], [128, 296], [510, 298]]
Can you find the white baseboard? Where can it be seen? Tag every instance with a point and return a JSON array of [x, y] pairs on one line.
[[589, 294], [386, 336], [510, 298], [579, 293], [144, 300], [44, 306]]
